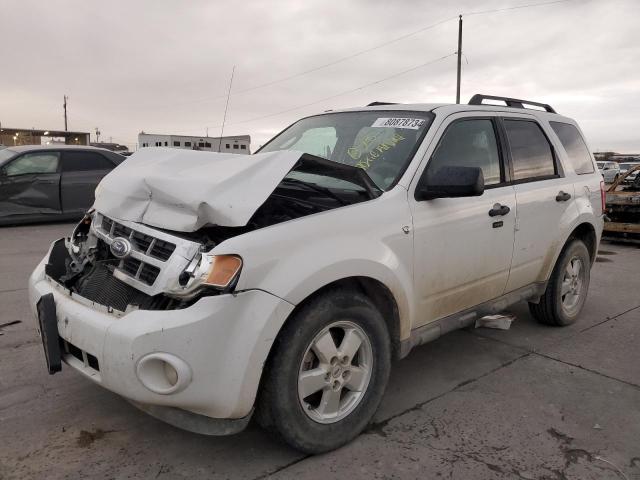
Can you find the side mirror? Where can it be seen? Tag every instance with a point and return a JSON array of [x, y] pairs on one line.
[[451, 182]]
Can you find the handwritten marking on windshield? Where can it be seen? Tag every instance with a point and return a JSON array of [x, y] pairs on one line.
[[375, 153]]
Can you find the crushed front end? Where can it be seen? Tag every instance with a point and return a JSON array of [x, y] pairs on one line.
[[138, 311]]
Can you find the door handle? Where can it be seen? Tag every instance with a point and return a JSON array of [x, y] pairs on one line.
[[562, 196], [499, 210]]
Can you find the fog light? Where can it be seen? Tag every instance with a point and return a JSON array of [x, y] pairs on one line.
[[170, 373], [163, 373]]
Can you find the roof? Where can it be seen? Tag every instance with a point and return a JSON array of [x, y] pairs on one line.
[[27, 148], [199, 137], [446, 109]]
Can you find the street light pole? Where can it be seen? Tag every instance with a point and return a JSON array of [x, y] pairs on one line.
[[459, 58], [64, 105]]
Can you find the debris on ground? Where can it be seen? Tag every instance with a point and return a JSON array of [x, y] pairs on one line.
[[500, 322]]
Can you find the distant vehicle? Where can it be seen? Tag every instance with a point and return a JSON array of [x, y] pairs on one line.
[[39, 183], [609, 171], [625, 167], [623, 207]]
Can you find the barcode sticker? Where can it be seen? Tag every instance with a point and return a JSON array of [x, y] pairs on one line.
[[410, 123]]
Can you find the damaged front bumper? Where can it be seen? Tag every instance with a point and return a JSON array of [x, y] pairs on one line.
[[190, 367]]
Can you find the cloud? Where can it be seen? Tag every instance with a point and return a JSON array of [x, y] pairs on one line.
[[164, 66]]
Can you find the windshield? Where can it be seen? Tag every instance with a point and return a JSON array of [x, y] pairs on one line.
[[380, 142], [600, 165]]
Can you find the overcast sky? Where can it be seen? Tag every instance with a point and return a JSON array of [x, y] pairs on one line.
[[164, 66]]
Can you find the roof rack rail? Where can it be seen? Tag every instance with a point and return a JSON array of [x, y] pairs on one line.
[[510, 102], [375, 104]]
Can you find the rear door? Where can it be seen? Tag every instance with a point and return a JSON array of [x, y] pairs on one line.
[[29, 185], [544, 198], [81, 172]]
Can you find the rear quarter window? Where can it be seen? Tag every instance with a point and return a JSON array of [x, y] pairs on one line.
[[575, 147]]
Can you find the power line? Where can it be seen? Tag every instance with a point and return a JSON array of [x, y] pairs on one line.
[[325, 65], [370, 49], [403, 72], [517, 7]]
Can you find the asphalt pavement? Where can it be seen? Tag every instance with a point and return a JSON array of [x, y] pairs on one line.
[[532, 402]]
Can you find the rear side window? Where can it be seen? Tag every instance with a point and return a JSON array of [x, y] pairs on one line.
[[575, 147], [469, 143], [33, 163], [84, 161], [531, 152]]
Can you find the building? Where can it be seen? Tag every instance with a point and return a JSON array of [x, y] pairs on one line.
[[34, 136], [231, 144]]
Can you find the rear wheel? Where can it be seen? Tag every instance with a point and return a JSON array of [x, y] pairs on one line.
[[567, 289], [327, 374]]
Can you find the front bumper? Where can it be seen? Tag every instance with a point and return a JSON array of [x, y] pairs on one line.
[[222, 340]]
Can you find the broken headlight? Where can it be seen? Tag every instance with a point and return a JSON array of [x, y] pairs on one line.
[[219, 272]]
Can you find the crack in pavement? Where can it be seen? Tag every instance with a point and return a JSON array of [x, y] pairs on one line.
[[280, 469], [609, 318], [548, 357], [13, 290], [378, 427]]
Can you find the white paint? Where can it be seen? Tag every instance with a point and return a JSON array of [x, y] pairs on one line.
[[185, 190], [449, 259]]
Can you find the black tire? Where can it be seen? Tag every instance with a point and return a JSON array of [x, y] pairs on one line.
[[279, 408], [551, 310]]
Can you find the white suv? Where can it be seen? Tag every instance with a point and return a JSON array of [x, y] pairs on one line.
[[207, 287], [609, 170]]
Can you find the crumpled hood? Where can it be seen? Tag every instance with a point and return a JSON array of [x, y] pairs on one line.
[[184, 190]]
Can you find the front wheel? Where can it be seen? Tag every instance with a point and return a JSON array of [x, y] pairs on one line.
[[567, 289], [327, 374]]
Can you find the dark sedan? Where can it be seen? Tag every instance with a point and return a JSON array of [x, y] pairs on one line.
[[39, 183]]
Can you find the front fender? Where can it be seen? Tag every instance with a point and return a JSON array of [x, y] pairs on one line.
[[296, 258]]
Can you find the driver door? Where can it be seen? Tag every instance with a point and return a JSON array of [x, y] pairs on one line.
[[30, 185], [462, 252]]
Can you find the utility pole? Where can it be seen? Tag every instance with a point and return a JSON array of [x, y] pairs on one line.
[[225, 109], [459, 58], [65, 113]]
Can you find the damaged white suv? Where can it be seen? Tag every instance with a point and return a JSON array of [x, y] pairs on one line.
[[207, 287]]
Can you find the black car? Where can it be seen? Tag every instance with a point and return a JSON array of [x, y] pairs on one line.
[[50, 183]]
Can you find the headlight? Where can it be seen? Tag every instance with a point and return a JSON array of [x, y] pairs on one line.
[[206, 270]]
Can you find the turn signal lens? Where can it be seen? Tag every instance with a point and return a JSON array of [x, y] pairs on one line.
[[224, 269]]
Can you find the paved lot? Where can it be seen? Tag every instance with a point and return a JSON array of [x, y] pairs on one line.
[[532, 402]]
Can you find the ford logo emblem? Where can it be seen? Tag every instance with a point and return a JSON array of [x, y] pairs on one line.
[[120, 247]]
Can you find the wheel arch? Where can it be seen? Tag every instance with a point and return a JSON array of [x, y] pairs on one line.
[[583, 230], [376, 291]]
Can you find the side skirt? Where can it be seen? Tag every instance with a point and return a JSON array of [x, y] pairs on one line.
[[432, 331]]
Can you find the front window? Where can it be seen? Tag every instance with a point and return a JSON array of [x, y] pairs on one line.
[[381, 143], [33, 163]]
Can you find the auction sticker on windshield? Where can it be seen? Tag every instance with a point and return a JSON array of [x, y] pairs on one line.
[[411, 123]]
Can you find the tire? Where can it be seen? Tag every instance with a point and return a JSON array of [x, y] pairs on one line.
[[303, 360], [566, 292]]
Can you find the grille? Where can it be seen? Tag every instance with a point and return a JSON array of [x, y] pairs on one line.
[[100, 286], [74, 351], [162, 250], [154, 247], [146, 245]]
